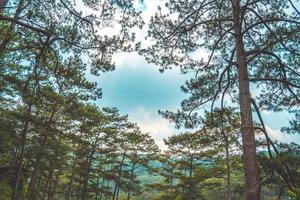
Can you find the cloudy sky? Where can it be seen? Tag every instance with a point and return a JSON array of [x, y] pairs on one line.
[[140, 90]]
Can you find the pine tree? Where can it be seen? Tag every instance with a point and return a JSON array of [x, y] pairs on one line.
[[247, 41]]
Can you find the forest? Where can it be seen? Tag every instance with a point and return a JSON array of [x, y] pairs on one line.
[[57, 142]]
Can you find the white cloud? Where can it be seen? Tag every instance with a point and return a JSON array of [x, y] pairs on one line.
[[266, 112], [158, 127], [129, 60], [276, 134]]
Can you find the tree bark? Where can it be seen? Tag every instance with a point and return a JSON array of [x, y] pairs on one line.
[[252, 181]]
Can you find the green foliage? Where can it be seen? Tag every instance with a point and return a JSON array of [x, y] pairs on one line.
[[5, 190], [55, 143]]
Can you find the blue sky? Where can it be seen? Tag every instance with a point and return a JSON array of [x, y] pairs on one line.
[[140, 90]]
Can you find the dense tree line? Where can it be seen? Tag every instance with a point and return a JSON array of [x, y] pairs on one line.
[[207, 164], [55, 143]]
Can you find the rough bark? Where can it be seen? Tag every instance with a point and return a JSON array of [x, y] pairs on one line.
[[252, 182]]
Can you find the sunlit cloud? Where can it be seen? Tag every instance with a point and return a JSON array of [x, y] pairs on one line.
[[158, 127], [277, 135]]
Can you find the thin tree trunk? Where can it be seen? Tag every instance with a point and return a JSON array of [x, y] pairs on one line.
[[97, 189], [51, 171], [117, 186], [20, 160], [106, 195], [72, 175], [228, 171], [190, 175], [102, 188], [130, 181], [171, 181], [86, 178], [32, 185], [15, 157], [39, 180], [252, 182], [52, 191], [47, 184]]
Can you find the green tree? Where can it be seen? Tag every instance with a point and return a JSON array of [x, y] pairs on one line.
[[248, 41]]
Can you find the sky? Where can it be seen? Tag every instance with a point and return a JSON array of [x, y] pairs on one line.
[[138, 89]]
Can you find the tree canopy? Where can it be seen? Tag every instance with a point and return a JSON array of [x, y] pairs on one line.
[[57, 142]]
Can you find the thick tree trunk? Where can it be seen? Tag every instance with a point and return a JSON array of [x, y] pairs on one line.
[[252, 181]]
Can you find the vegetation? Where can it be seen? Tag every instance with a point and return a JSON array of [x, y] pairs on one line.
[[56, 143]]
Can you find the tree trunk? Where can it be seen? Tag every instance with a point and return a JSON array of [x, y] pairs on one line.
[[252, 182], [228, 171], [36, 171], [130, 181], [52, 190], [191, 175], [37, 168], [102, 187], [69, 191], [86, 177], [51, 171], [20, 160], [106, 195], [117, 186]]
